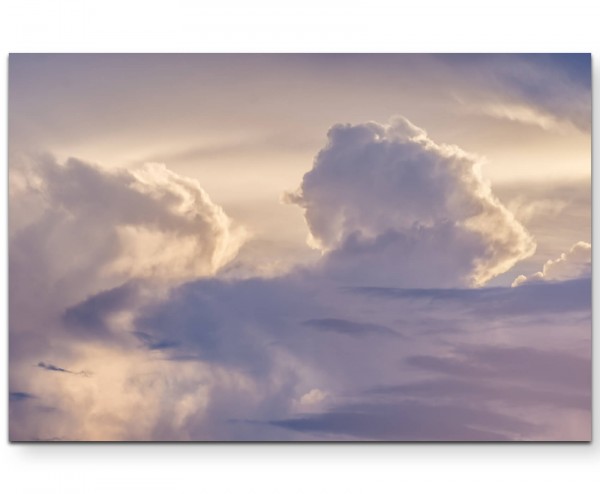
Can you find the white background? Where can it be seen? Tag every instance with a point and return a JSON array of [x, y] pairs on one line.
[[277, 26]]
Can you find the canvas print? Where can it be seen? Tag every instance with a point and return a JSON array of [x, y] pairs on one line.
[[299, 247]]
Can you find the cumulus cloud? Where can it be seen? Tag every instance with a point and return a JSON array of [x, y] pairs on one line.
[[146, 222], [389, 205], [88, 245], [79, 234], [356, 346], [576, 263]]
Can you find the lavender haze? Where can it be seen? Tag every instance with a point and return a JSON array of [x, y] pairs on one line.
[[300, 247]]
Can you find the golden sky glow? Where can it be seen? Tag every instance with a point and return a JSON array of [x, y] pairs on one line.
[[273, 247]]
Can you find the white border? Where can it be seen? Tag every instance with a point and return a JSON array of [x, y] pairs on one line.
[[307, 26]]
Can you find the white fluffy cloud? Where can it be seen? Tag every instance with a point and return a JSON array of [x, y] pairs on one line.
[[576, 263], [147, 222], [408, 210]]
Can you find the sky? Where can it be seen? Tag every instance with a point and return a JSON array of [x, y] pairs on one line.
[[325, 247]]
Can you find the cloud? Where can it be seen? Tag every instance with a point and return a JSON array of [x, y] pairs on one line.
[[52, 367], [354, 346], [549, 368], [551, 91], [528, 210], [313, 397], [146, 222], [557, 214], [88, 246], [80, 235], [527, 115], [55, 368], [90, 316], [486, 391], [552, 298], [350, 328], [260, 328], [222, 359], [576, 263], [408, 420], [380, 200], [19, 396]]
